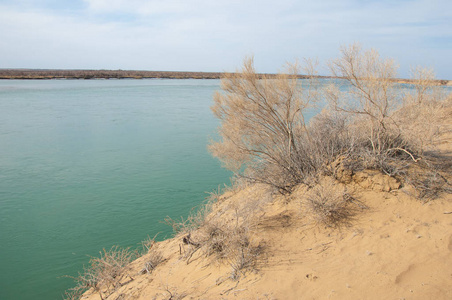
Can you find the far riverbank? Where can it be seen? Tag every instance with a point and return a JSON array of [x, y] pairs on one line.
[[38, 74]]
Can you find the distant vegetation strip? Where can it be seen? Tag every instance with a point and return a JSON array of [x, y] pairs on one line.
[[134, 74], [106, 74], [100, 74], [110, 74]]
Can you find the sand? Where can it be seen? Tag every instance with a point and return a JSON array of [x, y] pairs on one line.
[[394, 246]]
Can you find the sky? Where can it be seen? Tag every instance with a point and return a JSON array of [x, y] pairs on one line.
[[216, 35]]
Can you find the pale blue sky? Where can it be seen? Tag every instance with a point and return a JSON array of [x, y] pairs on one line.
[[215, 35]]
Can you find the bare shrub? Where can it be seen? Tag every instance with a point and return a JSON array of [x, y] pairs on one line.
[[203, 228], [430, 178], [83, 282], [261, 118], [265, 137], [148, 244], [422, 124], [244, 257], [330, 204], [425, 87], [391, 129], [371, 121], [430, 184], [225, 232], [195, 218], [105, 273], [154, 256], [231, 242], [386, 119], [173, 293], [331, 137], [217, 236], [371, 97]]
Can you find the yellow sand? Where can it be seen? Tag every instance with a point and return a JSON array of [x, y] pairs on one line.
[[399, 248]]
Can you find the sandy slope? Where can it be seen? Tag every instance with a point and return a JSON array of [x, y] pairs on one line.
[[397, 248]]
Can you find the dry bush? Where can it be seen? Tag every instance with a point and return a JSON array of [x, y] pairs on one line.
[[225, 233], [232, 244], [83, 282], [202, 228], [243, 256], [265, 137], [105, 273], [371, 97], [430, 185], [425, 88], [198, 214], [330, 204], [219, 235], [430, 178], [155, 257], [173, 293], [230, 237], [426, 111], [226, 242], [195, 218], [391, 129], [386, 119], [331, 138], [261, 118], [148, 244], [423, 124]]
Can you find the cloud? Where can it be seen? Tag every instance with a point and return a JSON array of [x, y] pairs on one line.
[[216, 35], [168, 7]]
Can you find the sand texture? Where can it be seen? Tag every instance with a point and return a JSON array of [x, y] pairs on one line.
[[395, 248]]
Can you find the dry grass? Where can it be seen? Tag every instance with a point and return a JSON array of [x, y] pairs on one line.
[[243, 255], [105, 274], [225, 233], [430, 178], [330, 204], [154, 256]]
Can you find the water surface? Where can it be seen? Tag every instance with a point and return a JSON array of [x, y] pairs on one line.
[[88, 164]]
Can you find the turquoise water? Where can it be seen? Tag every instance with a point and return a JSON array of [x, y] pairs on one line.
[[85, 165]]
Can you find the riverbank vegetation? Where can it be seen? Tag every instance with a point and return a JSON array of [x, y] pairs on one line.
[[370, 122], [46, 74], [372, 134], [101, 74]]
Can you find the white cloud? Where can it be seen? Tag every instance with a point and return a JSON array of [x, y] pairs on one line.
[[154, 7], [216, 35]]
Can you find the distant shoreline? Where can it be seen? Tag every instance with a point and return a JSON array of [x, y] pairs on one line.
[[48, 74], [102, 74]]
